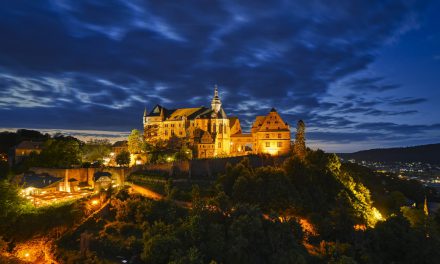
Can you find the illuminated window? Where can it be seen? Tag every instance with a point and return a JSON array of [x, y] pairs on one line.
[[279, 135], [166, 125], [180, 133], [279, 144], [166, 132], [219, 144], [267, 135], [267, 144]]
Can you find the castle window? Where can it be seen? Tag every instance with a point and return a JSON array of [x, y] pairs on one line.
[[180, 133], [267, 144], [172, 125], [166, 125], [279, 135], [172, 132], [219, 144], [166, 132], [267, 135], [279, 144]]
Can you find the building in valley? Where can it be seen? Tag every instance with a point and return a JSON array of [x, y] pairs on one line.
[[23, 150], [211, 133]]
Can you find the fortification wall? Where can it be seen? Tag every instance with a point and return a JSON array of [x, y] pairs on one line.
[[208, 168], [84, 174]]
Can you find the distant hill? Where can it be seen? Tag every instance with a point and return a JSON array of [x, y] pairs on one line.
[[424, 153]]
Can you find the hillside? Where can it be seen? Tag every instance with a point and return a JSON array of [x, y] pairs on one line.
[[423, 153]]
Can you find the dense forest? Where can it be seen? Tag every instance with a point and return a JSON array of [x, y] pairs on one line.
[[424, 153], [311, 210], [315, 210]]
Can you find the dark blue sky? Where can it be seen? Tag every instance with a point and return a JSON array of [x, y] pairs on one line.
[[361, 74]]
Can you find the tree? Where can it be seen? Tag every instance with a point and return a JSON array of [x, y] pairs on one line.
[[4, 169], [60, 152], [299, 148], [96, 150], [123, 158], [135, 142]]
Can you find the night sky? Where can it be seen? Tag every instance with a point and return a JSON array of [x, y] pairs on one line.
[[361, 74]]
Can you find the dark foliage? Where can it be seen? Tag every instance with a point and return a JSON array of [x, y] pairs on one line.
[[424, 153]]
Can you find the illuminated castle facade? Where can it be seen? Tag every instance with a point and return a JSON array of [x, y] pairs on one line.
[[210, 133]]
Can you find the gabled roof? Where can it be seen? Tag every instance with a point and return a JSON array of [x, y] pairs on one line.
[[158, 109], [29, 145], [233, 120], [271, 122], [179, 113], [183, 112], [206, 138], [209, 113]]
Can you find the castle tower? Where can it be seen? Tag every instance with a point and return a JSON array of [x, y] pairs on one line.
[[145, 116], [216, 104]]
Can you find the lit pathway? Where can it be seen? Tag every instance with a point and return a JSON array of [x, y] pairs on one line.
[[154, 195], [75, 227]]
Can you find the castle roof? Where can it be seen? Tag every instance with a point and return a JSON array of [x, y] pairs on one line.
[[209, 113], [233, 120], [188, 113], [177, 114], [271, 122]]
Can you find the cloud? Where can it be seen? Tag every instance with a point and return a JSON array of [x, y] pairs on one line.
[[93, 64], [408, 101], [370, 84]]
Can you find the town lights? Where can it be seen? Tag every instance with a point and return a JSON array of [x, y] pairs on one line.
[[95, 202]]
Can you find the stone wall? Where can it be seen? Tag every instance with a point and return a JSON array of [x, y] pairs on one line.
[[208, 168], [85, 174], [199, 168]]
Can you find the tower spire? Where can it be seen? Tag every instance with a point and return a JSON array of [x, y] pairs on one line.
[[216, 104]]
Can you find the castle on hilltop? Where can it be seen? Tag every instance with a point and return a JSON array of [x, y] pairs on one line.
[[211, 133]]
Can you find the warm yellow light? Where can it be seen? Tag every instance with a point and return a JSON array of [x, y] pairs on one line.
[[26, 254], [95, 202], [377, 215]]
